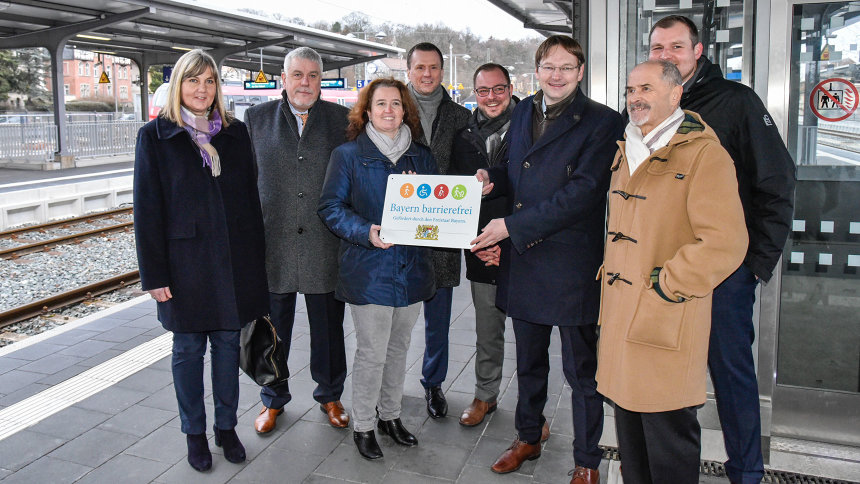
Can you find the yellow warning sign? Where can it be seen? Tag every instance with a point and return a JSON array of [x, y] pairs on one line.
[[104, 78], [261, 77], [825, 53]]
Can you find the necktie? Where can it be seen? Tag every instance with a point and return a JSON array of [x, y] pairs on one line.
[[304, 118]]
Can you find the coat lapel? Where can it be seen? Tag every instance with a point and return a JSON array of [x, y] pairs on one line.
[[289, 118]]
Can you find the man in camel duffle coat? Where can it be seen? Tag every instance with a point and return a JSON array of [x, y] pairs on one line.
[[675, 231]]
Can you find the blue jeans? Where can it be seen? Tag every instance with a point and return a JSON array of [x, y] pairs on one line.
[[437, 320], [733, 373], [188, 350]]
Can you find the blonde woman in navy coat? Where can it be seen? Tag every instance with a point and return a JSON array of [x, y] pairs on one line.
[[200, 245]]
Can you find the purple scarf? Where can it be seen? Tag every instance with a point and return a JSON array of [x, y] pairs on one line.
[[202, 130]]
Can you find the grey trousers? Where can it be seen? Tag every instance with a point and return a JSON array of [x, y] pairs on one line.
[[382, 338], [490, 342]]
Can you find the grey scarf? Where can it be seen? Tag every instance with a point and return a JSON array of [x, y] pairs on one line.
[[392, 148], [427, 106]]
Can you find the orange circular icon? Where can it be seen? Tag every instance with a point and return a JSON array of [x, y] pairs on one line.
[[406, 190]]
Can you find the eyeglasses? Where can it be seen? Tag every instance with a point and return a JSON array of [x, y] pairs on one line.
[[549, 70], [485, 91]]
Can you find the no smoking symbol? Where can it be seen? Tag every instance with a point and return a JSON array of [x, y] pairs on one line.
[[834, 99]]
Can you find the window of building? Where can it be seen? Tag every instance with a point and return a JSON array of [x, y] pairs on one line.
[[123, 92], [80, 68], [85, 90], [86, 68], [66, 89]]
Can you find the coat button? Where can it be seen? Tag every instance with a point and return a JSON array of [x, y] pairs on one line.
[[301, 230], [526, 164], [519, 205], [301, 158], [301, 194]]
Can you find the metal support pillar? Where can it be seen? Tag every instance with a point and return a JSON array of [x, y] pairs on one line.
[[144, 61]]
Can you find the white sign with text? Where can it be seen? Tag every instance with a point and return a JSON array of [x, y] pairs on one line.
[[431, 210]]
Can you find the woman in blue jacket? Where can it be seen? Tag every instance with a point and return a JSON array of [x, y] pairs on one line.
[[384, 284], [200, 246]]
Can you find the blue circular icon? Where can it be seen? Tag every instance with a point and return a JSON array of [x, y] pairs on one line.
[[424, 190]]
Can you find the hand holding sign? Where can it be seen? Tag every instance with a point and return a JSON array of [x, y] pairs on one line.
[[484, 178], [430, 210]]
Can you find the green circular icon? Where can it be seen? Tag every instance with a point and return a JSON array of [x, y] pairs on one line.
[[458, 192]]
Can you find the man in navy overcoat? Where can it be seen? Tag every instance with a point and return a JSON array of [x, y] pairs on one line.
[[561, 148]]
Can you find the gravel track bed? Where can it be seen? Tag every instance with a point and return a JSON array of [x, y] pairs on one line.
[[59, 317], [39, 236], [40, 275]]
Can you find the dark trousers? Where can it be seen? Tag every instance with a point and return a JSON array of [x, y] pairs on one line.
[[659, 447], [579, 362], [437, 320], [328, 356], [732, 368], [187, 364]]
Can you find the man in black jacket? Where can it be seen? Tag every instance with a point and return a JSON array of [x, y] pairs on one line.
[[766, 177], [441, 118], [483, 144]]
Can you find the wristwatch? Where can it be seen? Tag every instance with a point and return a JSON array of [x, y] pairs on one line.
[[655, 282]]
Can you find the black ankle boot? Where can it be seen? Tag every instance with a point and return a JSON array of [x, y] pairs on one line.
[[367, 445], [198, 452], [396, 430], [234, 451], [437, 406]]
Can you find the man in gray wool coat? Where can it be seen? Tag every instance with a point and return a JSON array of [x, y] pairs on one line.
[[293, 138], [441, 119]]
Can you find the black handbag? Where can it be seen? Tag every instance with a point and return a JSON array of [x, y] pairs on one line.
[[262, 355]]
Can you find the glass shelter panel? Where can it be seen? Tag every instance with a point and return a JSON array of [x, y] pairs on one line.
[[819, 327], [721, 31]]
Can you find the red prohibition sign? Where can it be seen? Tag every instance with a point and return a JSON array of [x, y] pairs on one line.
[[844, 107]]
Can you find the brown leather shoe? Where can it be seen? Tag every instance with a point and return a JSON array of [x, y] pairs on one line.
[[544, 432], [337, 416], [265, 422], [513, 458], [584, 475], [475, 413]]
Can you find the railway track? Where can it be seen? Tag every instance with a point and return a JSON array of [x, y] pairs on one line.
[[73, 296], [18, 251]]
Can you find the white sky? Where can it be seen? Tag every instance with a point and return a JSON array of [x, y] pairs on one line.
[[482, 17]]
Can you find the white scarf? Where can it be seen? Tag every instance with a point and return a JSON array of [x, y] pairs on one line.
[[637, 148], [392, 148]]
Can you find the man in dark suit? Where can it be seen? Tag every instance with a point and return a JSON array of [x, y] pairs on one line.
[[561, 148], [441, 118], [293, 138]]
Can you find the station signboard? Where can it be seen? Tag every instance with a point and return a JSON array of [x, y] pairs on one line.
[[261, 85], [333, 83]]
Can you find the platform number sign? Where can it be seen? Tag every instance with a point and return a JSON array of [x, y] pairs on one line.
[[834, 99]]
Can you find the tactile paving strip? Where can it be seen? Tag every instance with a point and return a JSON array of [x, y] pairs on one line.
[[31, 410]]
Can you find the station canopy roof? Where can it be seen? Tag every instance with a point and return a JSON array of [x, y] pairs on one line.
[[545, 16], [159, 31]]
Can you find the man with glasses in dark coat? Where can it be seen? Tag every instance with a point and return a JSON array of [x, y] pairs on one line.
[[481, 145], [556, 178]]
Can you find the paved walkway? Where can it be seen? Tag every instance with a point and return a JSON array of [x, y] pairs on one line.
[[129, 432]]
